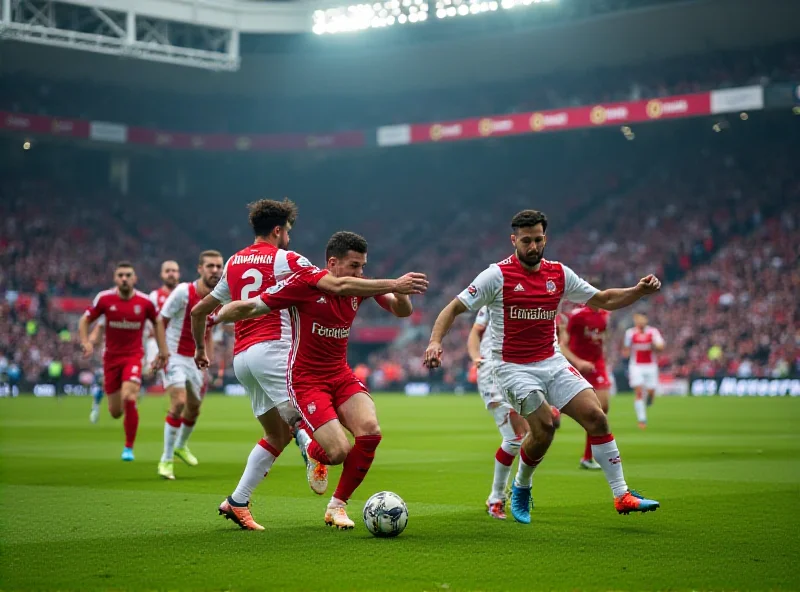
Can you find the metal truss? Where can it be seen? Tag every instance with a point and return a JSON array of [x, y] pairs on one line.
[[124, 33]]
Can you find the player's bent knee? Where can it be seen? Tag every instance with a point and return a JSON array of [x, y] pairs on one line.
[[596, 422]]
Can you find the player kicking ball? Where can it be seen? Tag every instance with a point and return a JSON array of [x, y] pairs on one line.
[[183, 380], [328, 396], [523, 293]]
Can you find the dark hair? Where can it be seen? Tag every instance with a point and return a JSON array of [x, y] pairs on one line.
[[266, 214], [528, 219], [343, 242], [122, 264], [208, 253]]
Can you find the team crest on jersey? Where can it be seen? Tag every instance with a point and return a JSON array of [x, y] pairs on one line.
[[472, 290], [311, 408], [354, 302], [550, 286], [137, 309]]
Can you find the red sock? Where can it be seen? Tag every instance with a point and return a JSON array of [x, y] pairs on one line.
[[130, 422], [316, 452], [356, 465], [587, 452]]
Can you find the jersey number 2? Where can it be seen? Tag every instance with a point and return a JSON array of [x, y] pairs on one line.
[[252, 288]]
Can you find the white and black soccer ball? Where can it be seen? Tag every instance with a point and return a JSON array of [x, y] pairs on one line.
[[385, 514]]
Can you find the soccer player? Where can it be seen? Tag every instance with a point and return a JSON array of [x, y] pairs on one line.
[[511, 425], [581, 342], [523, 293], [125, 310], [170, 277], [261, 345], [641, 343], [328, 396], [184, 381]]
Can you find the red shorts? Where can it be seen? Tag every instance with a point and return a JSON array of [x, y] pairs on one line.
[[317, 400], [599, 378], [115, 372]]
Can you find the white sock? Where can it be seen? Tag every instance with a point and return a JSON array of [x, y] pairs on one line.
[[606, 454], [641, 410], [170, 433], [525, 470], [184, 433], [503, 461], [258, 465], [303, 438], [336, 503]]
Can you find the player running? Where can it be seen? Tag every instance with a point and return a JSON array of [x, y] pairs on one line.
[[581, 342], [125, 310], [511, 425], [523, 293], [329, 397], [641, 343], [261, 346], [170, 277], [182, 379]]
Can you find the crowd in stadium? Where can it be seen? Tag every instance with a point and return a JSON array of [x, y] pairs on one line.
[[707, 218]]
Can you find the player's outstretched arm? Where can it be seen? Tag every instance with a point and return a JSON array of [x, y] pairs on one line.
[[445, 320], [200, 314], [241, 310], [410, 283], [616, 298]]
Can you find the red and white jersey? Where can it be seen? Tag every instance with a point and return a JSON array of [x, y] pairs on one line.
[[250, 272], [586, 329], [320, 324], [159, 297], [523, 305], [125, 321], [641, 344], [177, 310]]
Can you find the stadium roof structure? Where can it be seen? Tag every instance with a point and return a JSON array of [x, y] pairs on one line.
[[277, 62]]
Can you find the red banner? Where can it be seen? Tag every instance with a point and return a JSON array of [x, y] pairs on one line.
[[563, 119], [42, 124], [77, 128]]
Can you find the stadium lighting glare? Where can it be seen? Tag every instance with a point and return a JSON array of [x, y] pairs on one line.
[[744, 116], [357, 17], [26, 145]]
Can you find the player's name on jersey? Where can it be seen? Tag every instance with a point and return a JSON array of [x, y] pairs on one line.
[[252, 259], [531, 314], [731, 386]]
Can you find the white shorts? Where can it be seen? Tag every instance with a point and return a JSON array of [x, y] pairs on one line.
[[487, 385], [261, 370], [182, 372], [526, 386], [645, 375]]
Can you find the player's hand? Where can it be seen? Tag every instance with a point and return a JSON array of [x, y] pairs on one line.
[[201, 359], [649, 285], [584, 367], [433, 355], [161, 361], [411, 283], [477, 362], [218, 382], [88, 349]]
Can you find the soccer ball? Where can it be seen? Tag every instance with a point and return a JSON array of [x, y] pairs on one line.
[[385, 514]]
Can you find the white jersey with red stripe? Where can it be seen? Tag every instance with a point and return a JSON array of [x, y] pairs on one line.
[[642, 343], [523, 305], [250, 272], [159, 297], [177, 310], [482, 320]]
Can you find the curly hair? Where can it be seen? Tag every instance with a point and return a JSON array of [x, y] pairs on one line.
[[266, 214], [343, 242], [528, 219]]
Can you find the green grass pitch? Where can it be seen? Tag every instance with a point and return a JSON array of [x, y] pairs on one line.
[[727, 473]]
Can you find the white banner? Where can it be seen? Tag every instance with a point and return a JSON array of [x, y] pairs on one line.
[[108, 132], [731, 386], [394, 135], [745, 98]]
